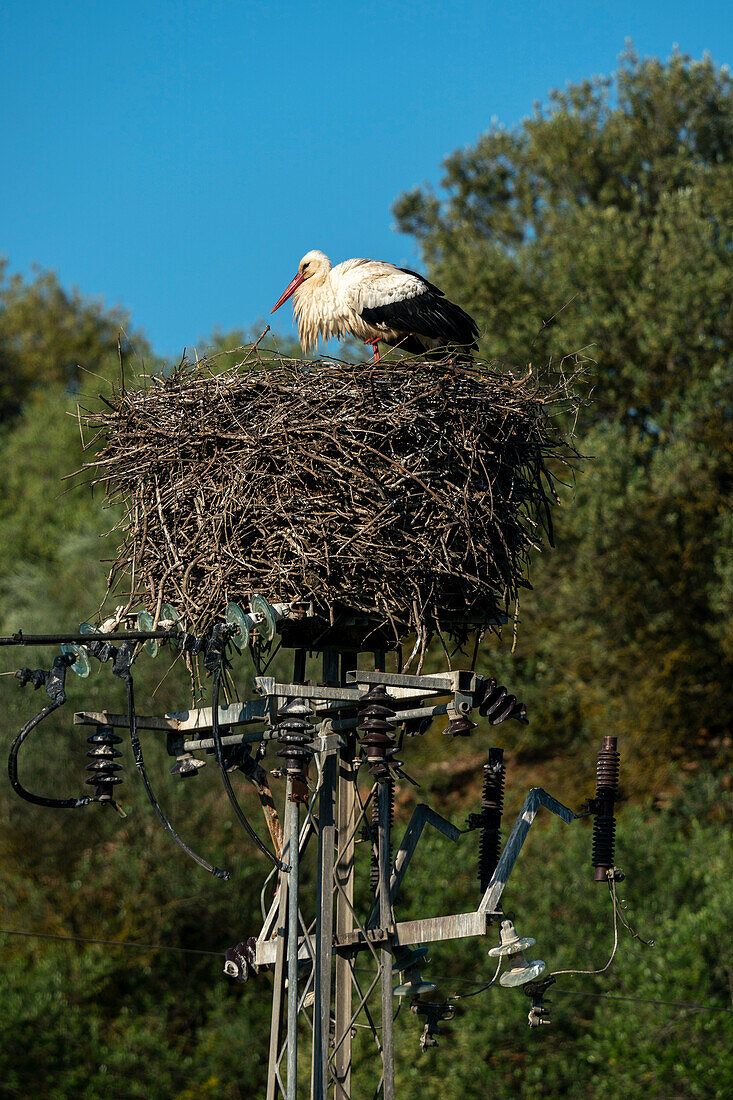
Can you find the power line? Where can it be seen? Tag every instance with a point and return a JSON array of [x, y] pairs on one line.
[[440, 977], [444, 979], [109, 943], [642, 1000]]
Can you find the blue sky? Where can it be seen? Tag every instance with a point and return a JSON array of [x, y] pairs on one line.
[[178, 158]]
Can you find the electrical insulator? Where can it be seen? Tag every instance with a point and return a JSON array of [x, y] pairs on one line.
[[377, 740], [104, 770], [374, 866], [521, 971], [407, 960], [604, 823], [264, 616], [460, 726], [187, 765], [492, 806], [239, 961], [495, 703], [294, 733], [236, 617]]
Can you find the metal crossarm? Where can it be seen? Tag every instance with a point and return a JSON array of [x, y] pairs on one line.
[[537, 797]]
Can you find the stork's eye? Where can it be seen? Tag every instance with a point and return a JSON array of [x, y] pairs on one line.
[[306, 265]]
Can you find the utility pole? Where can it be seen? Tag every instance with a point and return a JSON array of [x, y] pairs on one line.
[[356, 728], [319, 943]]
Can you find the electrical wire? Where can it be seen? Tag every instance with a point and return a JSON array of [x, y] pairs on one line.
[[691, 1005], [263, 911], [217, 954], [55, 681], [643, 1000], [475, 992], [37, 799], [620, 905], [444, 978], [122, 669], [108, 943], [219, 752], [603, 969]]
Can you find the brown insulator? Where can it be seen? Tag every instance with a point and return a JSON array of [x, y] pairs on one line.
[[294, 733], [492, 807], [495, 703], [460, 726], [239, 961], [604, 823], [377, 739], [374, 867], [103, 767]]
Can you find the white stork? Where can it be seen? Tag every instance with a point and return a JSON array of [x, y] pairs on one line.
[[375, 301]]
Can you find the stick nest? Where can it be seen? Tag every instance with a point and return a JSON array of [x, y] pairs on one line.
[[412, 493]]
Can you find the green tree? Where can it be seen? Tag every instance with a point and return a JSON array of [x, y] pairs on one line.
[[609, 210], [50, 336], [609, 214]]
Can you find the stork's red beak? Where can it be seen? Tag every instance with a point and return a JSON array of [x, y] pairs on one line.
[[289, 289]]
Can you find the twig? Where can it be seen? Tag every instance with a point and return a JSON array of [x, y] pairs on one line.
[[411, 493]]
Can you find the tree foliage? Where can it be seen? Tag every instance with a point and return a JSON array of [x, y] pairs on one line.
[[608, 210], [604, 222], [52, 337]]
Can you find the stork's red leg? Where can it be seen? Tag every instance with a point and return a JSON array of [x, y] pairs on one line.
[[375, 348]]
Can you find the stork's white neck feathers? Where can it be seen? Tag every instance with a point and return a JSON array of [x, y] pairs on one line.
[[314, 303]]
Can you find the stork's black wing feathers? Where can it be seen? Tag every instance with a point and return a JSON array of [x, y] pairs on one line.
[[417, 275], [429, 314]]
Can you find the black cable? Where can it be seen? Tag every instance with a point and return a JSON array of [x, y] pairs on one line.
[[37, 799], [121, 668], [214, 662], [55, 689], [475, 992], [108, 943], [21, 639], [642, 1000]]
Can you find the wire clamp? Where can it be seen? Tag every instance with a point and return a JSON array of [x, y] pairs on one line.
[[539, 1013], [435, 1014]]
